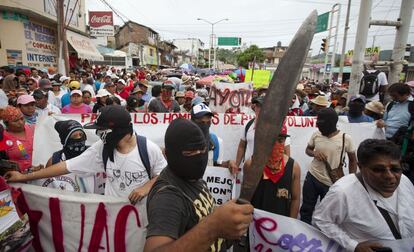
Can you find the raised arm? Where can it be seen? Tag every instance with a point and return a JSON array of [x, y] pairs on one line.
[[52, 171]]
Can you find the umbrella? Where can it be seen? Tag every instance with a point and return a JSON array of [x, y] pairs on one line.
[[410, 83], [207, 81], [242, 71]]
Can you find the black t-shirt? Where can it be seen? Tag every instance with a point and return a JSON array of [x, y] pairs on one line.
[[174, 206]]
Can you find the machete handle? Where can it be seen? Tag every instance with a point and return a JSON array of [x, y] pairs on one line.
[[241, 201]]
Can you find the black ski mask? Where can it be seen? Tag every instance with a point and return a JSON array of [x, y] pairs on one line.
[[327, 120], [184, 135], [71, 147], [111, 138]]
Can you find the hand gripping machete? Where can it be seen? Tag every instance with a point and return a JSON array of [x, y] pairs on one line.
[[276, 104]]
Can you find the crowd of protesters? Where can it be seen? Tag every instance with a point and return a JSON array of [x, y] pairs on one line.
[[28, 95]]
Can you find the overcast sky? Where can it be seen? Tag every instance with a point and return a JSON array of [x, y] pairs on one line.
[[260, 22]]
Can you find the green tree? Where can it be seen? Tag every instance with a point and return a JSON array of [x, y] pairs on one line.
[[227, 56], [247, 56]]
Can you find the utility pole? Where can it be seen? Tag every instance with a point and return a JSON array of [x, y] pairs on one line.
[[359, 47], [341, 63], [212, 41], [400, 42], [338, 11], [63, 51]]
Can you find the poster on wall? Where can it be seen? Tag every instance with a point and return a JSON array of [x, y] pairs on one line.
[[101, 23], [41, 48], [14, 57]]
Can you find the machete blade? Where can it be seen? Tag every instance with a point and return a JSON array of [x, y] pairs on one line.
[[276, 104]]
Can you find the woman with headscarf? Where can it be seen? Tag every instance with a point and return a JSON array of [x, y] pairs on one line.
[[295, 109], [73, 138], [20, 137]]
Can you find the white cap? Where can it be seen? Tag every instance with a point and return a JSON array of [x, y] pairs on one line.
[[102, 93], [121, 81], [200, 110], [63, 78], [76, 91]]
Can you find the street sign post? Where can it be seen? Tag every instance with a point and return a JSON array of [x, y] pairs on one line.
[[322, 22], [229, 41]]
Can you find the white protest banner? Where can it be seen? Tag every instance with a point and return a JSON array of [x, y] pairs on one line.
[[230, 96], [63, 220], [273, 232], [220, 183], [229, 127]]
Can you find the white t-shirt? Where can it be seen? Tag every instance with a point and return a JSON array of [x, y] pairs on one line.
[[125, 174], [382, 81]]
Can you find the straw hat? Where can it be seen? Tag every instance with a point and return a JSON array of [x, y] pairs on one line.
[[375, 106], [321, 100]]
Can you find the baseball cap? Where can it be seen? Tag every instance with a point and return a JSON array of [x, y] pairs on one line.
[[258, 100], [110, 117], [74, 85], [44, 83], [200, 110], [358, 97], [179, 94], [39, 94], [55, 83], [132, 101], [76, 91], [25, 99], [197, 100], [122, 81], [189, 94], [102, 93], [63, 78]]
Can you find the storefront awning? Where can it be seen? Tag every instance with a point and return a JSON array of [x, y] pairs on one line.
[[83, 46]]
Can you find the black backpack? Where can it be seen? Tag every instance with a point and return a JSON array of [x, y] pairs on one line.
[[369, 83], [143, 153]]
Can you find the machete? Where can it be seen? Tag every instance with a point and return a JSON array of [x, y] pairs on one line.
[[276, 104]]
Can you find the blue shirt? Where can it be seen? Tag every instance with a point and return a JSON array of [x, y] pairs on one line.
[[146, 97], [65, 99], [360, 119], [397, 117]]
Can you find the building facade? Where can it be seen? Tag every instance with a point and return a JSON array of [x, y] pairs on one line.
[[28, 33], [190, 49]]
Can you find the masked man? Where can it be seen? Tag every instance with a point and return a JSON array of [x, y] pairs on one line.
[[181, 211], [327, 147], [73, 138], [279, 189], [127, 176]]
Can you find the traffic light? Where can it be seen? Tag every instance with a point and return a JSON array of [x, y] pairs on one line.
[[324, 45]]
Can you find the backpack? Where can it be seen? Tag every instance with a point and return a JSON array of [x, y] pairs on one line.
[[143, 153], [369, 83]]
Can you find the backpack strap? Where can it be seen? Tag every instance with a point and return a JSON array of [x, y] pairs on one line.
[[143, 153], [216, 149], [57, 157], [383, 212], [342, 150]]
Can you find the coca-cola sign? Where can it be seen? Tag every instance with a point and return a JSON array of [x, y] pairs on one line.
[[101, 23]]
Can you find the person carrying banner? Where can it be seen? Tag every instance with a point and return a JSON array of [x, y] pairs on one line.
[[375, 204], [73, 138], [327, 146], [130, 171], [202, 115], [279, 189], [181, 211], [246, 143]]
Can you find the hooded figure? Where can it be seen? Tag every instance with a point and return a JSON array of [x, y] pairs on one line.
[[72, 146], [186, 149]]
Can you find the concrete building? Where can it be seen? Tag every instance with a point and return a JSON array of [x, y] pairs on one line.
[[191, 47], [274, 54], [140, 43], [28, 33]]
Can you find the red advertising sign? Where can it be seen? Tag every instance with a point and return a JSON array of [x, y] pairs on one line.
[[101, 23]]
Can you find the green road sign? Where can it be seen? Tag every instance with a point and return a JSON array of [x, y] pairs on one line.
[[229, 41], [322, 23]]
